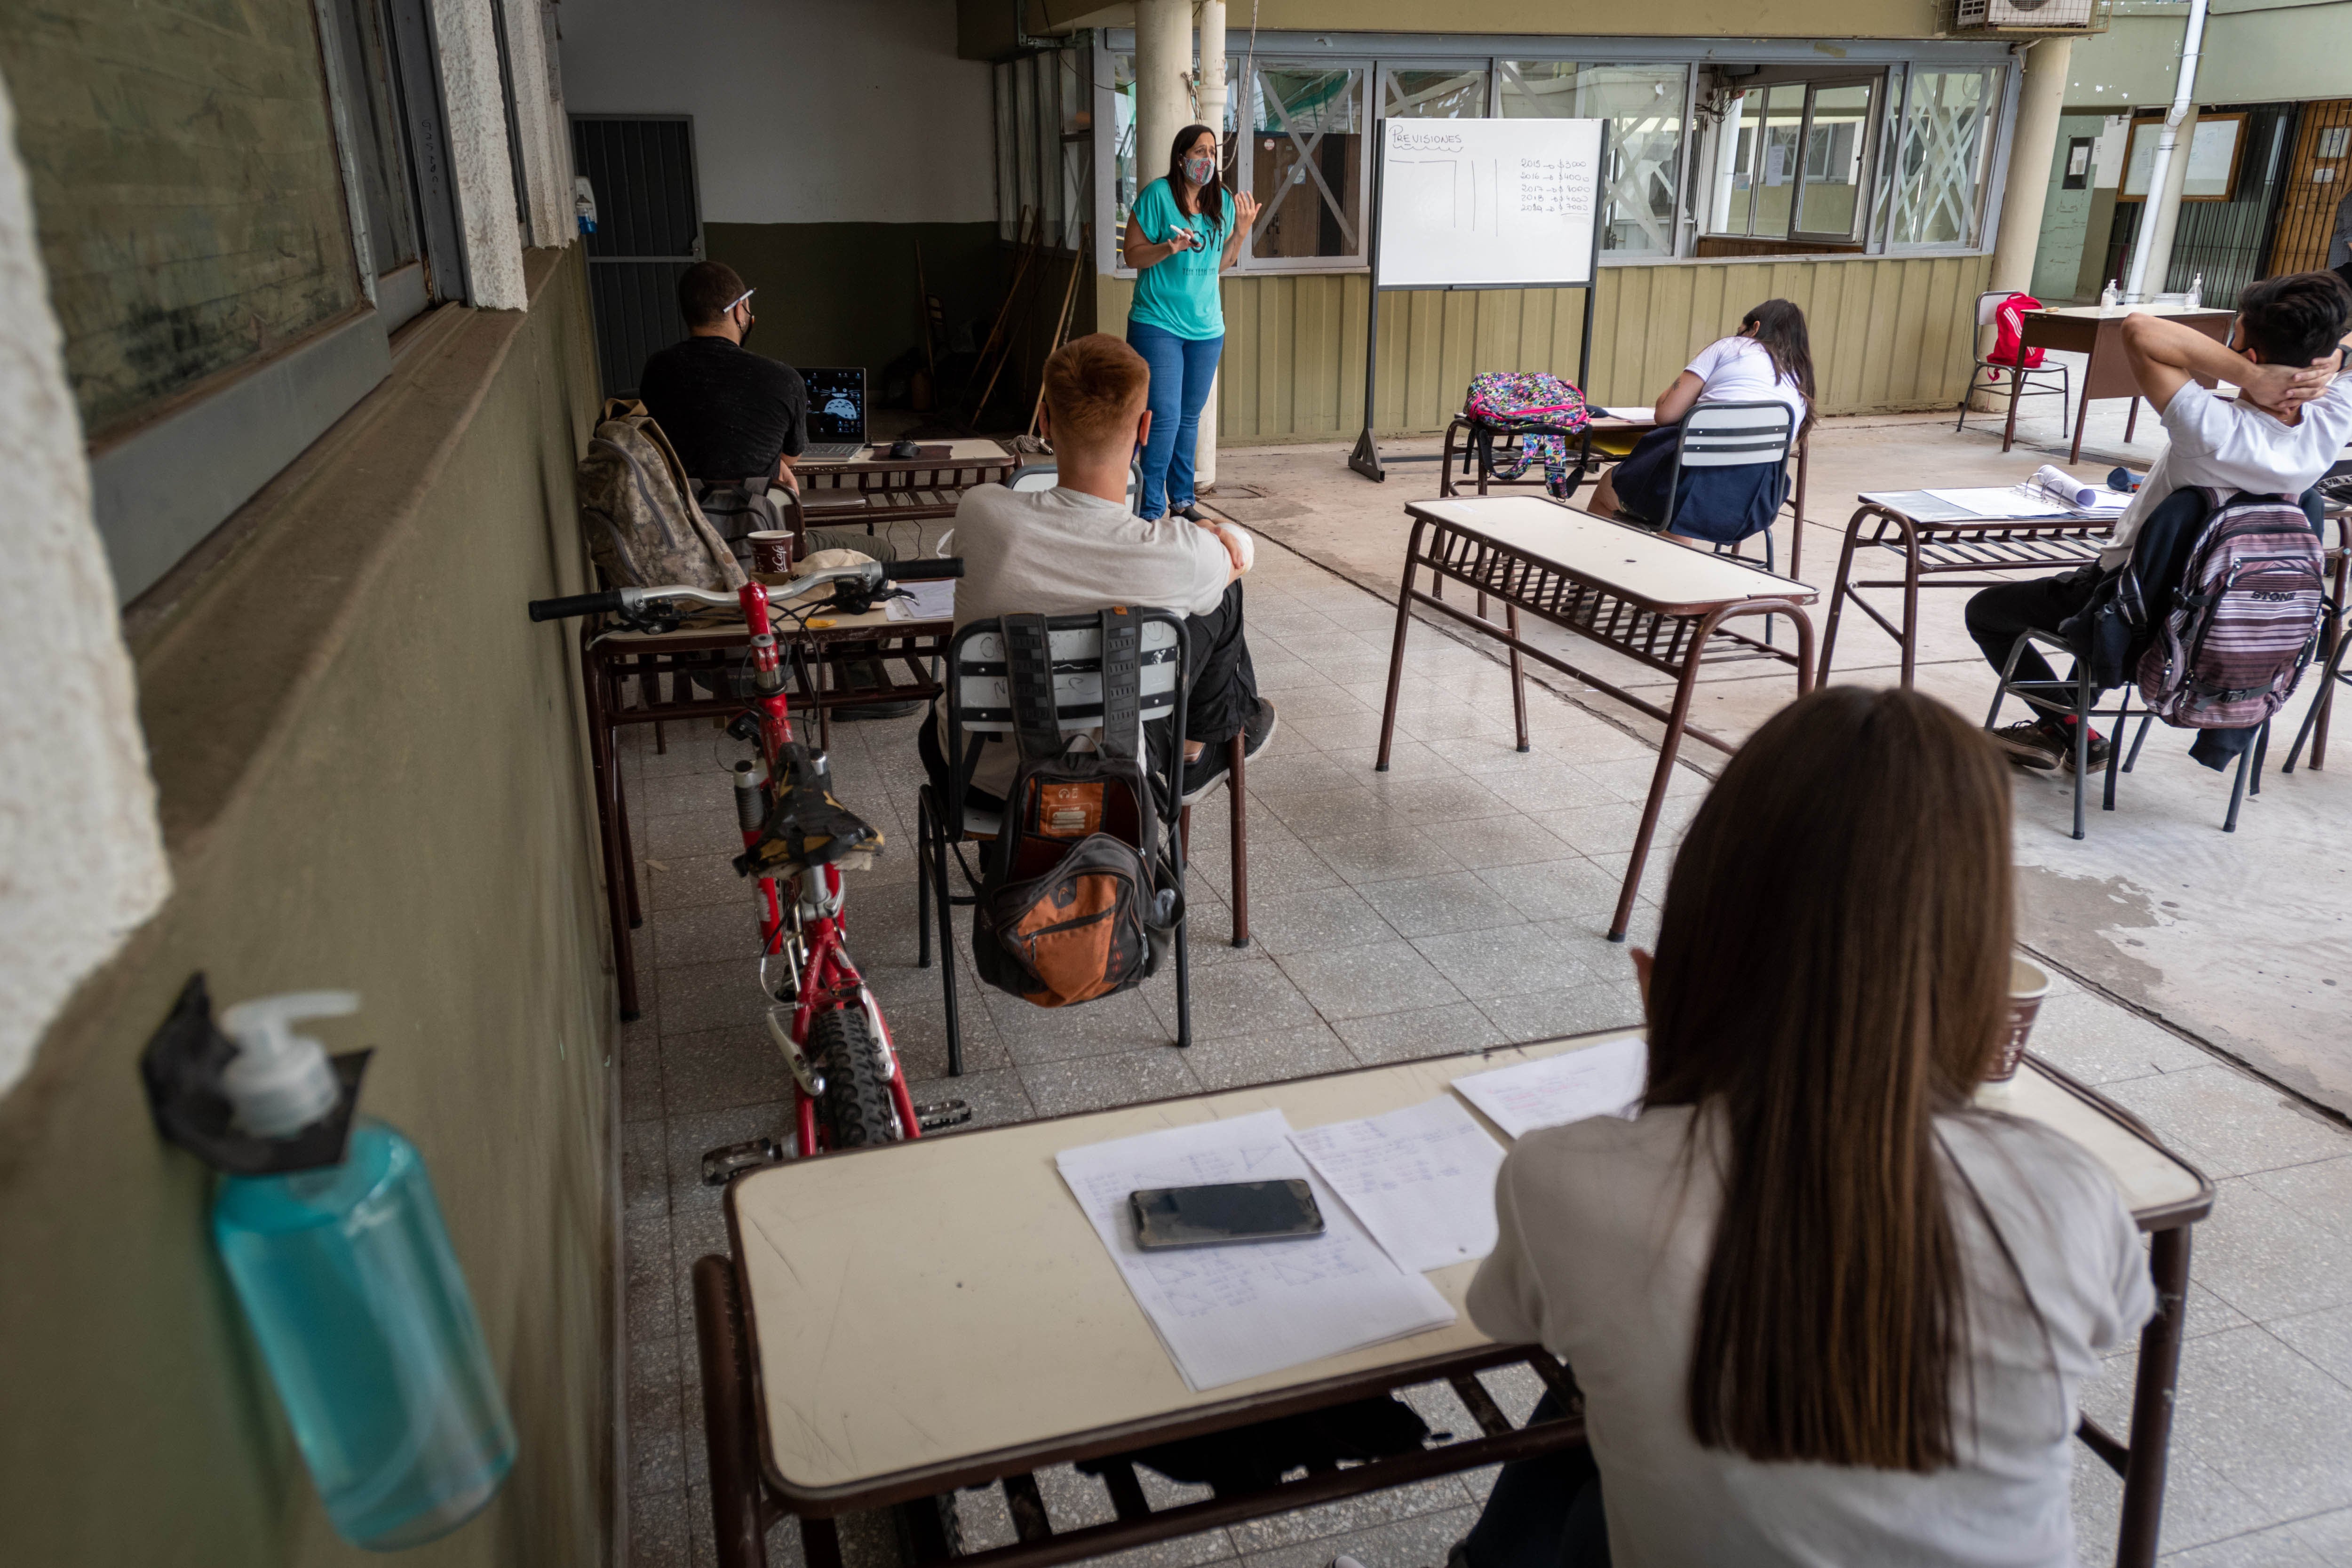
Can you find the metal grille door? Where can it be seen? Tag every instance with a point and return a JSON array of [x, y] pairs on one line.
[[648, 232]]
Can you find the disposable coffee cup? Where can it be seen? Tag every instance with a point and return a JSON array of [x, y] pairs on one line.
[[772, 550], [2028, 984]]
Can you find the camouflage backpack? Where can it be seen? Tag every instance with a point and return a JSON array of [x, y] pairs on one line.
[[636, 507]]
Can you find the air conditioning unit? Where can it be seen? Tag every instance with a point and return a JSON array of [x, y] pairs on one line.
[[2034, 14]]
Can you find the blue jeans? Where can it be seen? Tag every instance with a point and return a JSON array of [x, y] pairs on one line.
[[1181, 369]]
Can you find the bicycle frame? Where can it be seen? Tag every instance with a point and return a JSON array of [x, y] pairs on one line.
[[806, 916]]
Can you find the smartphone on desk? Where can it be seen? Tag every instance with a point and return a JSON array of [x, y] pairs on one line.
[[1224, 1212]]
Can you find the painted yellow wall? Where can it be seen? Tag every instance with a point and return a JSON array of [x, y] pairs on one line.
[[1887, 334]]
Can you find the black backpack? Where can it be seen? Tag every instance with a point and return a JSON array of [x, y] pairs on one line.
[[1080, 899]]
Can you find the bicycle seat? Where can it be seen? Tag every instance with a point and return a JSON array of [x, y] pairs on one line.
[[806, 826]]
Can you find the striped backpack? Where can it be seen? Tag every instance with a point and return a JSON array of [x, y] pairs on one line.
[[2233, 641], [1540, 408]]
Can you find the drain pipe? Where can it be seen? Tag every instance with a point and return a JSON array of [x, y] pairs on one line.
[[2157, 217]]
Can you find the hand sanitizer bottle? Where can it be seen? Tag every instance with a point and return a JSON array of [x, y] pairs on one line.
[[2196, 291], [2109, 296], [348, 1279]]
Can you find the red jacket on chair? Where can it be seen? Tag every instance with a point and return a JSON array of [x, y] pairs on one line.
[[2009, 319]]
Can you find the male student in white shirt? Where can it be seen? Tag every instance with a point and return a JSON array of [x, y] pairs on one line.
[[2288, 426], [1078, 548]]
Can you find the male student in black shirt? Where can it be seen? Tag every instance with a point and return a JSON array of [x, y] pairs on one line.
[[737, 418], [732, 414]]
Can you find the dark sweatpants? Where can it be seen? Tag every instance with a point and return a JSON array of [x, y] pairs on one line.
[[1996, 616], [1543, 1512], [1224, 685]]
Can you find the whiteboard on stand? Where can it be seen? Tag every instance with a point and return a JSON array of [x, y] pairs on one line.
[[1488, 204]]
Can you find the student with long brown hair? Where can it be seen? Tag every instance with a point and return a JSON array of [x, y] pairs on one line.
[[1822, 1311]]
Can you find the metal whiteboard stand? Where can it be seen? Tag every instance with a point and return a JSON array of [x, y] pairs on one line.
[[1366, 458]]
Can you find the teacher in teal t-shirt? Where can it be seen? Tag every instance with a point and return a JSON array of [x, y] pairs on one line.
[[1183, 231]]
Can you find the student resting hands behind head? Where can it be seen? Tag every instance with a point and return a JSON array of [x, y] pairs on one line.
[[1770, 359], [1822, 1311]]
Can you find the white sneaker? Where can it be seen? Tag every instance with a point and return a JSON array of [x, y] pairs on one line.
[[1346, 1561]]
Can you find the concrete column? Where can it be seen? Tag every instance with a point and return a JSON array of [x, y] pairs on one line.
[[1213, 114], [79, 833], [2030, 148], [2161, 216], [477, 155], [1163, 98], [2032, 145]]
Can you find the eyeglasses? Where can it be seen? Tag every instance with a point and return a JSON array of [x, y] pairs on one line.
[[743, 298]]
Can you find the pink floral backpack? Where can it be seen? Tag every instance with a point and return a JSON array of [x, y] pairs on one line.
[[1539, 408]]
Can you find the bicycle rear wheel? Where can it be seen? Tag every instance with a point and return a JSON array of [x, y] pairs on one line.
[[856, 1108]]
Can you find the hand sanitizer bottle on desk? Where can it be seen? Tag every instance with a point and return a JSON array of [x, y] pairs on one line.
[[2107, 297], [2197, 292], [347, 1277]]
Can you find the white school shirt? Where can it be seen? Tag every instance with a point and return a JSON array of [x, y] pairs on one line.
[[1063, 551], [2236, 447], [1739, 370], [1606, 1237]]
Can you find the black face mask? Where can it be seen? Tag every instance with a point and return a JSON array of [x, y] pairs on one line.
[[745, 341]]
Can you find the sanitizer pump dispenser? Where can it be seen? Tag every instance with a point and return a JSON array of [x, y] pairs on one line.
[[346, 1274]]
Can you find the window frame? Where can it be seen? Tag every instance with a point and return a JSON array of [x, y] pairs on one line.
[[1893, 64], [1370, 81]]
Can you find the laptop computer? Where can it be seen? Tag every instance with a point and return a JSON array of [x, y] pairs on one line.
[[836, 415]]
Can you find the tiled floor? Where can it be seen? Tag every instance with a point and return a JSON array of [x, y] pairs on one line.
[[1455, 901]]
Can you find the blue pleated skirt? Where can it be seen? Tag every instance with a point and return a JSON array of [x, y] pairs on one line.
[[1722, 506]]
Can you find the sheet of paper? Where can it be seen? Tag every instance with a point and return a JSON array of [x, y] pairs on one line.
[[1229, 1313], [1421, 1180], [934, 600], [1643, 414], [2004, 500], [1605, 1079]]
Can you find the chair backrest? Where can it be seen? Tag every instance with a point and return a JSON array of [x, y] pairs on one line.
[[1732, 434], [1989, 303], [979, 692]]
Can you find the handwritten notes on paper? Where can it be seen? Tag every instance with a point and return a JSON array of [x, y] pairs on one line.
[[1230, 1312], [1487, 203], [932, 599], [1604, 1079], [1420, 1179]]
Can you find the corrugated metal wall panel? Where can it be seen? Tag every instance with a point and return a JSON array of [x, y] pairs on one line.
[[1888, 333]]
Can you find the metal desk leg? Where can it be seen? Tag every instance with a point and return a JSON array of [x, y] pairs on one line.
[[1796, 540], [1396, 649], [1519, 671], [738, 1516], [2082, 413], [1668, 746], [1910, 600], [1237, 803], [1838, 589], [2008, 429], [2153, 1400]]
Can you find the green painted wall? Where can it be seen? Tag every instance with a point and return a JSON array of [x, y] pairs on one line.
[[372, 775], [2059, 257], [1887, 334], [844, 294]]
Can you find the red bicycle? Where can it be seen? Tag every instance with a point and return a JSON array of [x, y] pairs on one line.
[[847, 1089]]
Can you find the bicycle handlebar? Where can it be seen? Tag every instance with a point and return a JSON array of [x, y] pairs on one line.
[[575, 605], [628, 601], [924, 570]]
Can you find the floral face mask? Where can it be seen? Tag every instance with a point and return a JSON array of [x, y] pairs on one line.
[[1201, 167]]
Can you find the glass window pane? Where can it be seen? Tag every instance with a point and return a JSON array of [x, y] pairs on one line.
[[1644, 106], [1834, 147], [1122, 123], [1942, 186], [1306, 136], [1775, 175], [1457, 93], [385, 193], [1882, 185]]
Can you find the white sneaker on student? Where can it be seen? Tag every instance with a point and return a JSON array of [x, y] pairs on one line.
[[1345, 1562]]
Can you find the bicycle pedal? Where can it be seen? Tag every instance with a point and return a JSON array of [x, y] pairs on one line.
[[724, 1163], [943, 1114]]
